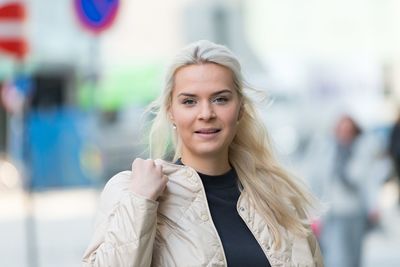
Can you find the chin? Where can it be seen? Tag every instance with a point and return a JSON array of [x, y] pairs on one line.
[[208, 151]]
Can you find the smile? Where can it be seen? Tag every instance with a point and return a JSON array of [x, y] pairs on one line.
[[208, 131]]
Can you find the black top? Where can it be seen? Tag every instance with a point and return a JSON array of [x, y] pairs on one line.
[[240, 246]]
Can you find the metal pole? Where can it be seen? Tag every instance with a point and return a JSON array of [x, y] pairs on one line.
[[30, 228], [21, 121]]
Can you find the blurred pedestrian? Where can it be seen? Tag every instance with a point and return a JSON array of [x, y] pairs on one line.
[[394, 149], [225, 201], [346, 174]]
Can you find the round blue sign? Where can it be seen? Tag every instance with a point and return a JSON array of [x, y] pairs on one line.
[[96, 15]]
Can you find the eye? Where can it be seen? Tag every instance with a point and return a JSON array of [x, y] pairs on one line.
[[220, 100], [188, 101]]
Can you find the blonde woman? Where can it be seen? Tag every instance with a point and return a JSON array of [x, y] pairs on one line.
[[224, 201]]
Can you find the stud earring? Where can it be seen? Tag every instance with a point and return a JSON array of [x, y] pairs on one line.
[[174, 126]]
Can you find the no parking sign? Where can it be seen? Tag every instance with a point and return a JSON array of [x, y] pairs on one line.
[[96, 15]]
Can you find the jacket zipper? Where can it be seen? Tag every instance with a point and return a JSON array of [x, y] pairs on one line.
[[203, 191], [255, 237]]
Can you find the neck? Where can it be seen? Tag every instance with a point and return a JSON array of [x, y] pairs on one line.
[[207, 165]]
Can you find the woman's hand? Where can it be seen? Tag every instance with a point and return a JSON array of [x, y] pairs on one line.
[[148, 179]]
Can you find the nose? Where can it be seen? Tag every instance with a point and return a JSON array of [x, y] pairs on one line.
[[206, 112]]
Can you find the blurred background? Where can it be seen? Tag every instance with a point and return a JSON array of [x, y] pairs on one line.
[[75, 77]]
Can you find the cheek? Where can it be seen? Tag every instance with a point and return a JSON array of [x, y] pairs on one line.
[[175, 113], [233, 116], [183, 119]]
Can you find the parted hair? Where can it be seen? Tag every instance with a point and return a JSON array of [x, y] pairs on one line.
[[278, 196]]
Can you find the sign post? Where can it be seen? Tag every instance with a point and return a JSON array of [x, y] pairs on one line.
[[95, 16]]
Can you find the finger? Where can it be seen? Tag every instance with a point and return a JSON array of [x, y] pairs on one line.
[[136, 161], [149, 163], [165, 178], [159, 168]]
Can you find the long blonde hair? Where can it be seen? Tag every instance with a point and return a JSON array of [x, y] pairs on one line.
[[276, 195]]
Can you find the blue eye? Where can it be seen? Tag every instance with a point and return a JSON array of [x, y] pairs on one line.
[[220, 100], [189, 101]]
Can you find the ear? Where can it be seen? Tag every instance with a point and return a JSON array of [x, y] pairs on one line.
[[170, 116]]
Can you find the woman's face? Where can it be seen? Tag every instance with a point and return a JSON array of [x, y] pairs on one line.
[[205, 109]]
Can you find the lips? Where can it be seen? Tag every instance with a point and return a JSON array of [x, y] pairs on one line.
[[208, 131]]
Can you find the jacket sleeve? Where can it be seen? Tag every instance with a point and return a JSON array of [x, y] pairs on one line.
[[125, 227]]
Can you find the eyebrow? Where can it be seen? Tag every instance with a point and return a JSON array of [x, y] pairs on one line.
[[216, 93]]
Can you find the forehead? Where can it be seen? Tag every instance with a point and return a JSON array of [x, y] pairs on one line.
[[202, 78]]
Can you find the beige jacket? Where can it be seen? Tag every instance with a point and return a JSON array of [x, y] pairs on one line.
[[178, 229]]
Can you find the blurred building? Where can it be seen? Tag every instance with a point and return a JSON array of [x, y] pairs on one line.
[[327, 56]]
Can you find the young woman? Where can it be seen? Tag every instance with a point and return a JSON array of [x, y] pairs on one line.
[[224, 201]]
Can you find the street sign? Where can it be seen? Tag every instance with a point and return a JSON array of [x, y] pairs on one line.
[[12, 40], [96, 15]]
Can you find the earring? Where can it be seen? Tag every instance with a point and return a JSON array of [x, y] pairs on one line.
[[174, 126]]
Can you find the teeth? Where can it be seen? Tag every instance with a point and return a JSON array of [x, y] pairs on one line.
[[210, 131]]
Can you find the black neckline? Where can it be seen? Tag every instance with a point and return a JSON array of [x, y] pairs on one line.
[[225, 180]]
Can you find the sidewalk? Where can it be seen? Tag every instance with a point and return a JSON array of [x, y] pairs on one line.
[[64, 225], [63, 221]]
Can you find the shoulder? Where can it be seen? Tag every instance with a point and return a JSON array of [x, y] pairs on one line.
[[119, 182], [119, 186], [115, 189]]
